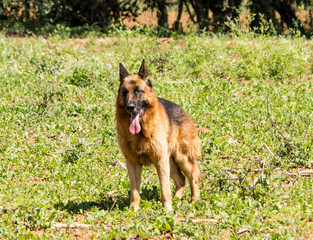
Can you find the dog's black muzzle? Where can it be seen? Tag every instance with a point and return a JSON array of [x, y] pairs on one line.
[[136, 107]]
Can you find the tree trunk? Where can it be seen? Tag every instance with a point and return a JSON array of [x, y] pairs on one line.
[[189, 12], [162, 13], [180, 10], [27, 9], [287, 14], [3, 11]]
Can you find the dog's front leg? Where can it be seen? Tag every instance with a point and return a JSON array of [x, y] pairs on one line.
[[134, 173], [163, 169]]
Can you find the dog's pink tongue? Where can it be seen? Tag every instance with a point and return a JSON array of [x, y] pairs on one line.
[[134, 127]]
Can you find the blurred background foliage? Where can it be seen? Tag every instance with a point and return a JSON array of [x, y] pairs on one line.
[[33, 15]]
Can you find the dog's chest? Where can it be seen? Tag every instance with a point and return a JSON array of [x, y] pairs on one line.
[[144, 151]]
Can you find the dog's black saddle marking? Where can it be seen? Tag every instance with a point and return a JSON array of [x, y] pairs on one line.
[[174, 112]]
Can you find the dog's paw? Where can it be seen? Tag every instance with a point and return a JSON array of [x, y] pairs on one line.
[[168, 208], [134, 207]]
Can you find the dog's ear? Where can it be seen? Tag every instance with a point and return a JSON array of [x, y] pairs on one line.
[[144, 73], [123, 72]]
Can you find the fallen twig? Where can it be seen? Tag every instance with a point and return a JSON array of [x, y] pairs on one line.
[[195, 221], [79, 98], [180, 82], [241, 231], [194, 62], [103, 141], [71, 225], [204, 220], [121, 164], [306, 172], [268, 149], [112, 192], [251, 170], [52, 136], [302, 173]]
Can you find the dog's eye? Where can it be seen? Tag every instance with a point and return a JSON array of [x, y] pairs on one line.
[[125, 91], [139, 91]]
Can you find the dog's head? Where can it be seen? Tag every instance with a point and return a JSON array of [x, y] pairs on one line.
[[135, 95]]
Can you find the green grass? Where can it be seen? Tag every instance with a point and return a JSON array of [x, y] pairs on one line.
[[58, 145]]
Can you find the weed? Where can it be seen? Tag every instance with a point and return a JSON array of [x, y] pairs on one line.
[[80, 78]]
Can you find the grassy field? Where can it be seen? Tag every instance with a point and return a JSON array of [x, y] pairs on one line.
[[250, 97]]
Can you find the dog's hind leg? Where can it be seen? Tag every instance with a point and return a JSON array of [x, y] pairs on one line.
[[134, 173], [179, 179], [192, 172], [194, 180]]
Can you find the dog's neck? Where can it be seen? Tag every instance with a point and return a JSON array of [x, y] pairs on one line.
[[150, 121]]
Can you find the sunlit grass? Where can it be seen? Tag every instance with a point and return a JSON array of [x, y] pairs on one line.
[[251, 99]]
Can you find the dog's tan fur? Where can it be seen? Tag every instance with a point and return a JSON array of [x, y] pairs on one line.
[[172, 148]]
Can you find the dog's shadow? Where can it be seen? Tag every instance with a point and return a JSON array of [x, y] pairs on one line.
[[107, 203]]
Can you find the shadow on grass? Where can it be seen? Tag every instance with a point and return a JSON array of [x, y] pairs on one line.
[[107, 203]]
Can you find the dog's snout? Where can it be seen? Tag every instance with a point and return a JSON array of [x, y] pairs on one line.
[[130, 107]]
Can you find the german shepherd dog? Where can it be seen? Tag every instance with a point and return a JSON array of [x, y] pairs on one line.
[[152, 130]]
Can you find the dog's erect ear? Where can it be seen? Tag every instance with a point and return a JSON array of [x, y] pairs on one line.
[[143, 71], [123, 72]]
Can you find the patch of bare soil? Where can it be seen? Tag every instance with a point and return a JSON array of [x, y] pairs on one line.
[[81, 234], [32, 180], [150, 18]]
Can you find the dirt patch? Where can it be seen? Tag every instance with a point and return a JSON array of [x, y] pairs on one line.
[[150, 18], [82, 234], [226, 234], [32, 180]]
